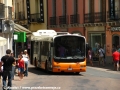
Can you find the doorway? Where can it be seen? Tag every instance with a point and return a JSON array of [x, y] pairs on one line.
[[116, 40]]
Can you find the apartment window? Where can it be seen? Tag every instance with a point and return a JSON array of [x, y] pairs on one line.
[[54, 7], [91, 6], [75, 6], [64, 7]]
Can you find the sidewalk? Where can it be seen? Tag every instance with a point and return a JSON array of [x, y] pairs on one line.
[[107, 68]]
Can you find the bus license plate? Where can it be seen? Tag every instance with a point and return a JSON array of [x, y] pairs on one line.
[[69, 68]]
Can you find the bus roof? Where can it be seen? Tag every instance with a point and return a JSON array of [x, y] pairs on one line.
[[47, 35]]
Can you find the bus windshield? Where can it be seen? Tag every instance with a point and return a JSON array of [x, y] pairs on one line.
[[69, 47]]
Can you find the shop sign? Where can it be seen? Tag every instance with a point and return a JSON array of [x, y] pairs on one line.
[[115, 28]]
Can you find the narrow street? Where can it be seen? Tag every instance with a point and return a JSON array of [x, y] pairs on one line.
[[94, 79]]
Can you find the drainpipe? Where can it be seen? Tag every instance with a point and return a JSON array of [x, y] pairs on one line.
[[84, 16]]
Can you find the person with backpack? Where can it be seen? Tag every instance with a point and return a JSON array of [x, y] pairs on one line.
[[101, 55], [7, 62]]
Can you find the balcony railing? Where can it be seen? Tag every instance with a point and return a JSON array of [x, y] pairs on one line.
[[117, 15], [35, 17], [63, 19], [53, 20], [95, 17], [74, 19]]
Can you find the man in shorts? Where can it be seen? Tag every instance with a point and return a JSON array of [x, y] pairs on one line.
[[116, 58]]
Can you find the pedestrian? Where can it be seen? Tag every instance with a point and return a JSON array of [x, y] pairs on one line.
[[1, 70], [21, 67], [101, 55], [13, 67], [116, 59], [90, 55], [21, 53], [7, 62], [26, 60]]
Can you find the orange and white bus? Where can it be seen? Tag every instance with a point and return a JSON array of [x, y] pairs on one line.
[[46, 51]]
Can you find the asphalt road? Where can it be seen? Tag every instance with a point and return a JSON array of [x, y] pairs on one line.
[[93, 79]]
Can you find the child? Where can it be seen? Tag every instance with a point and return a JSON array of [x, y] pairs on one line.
[[21, 67]]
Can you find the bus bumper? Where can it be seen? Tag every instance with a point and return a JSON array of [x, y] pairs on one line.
[[69, 69]]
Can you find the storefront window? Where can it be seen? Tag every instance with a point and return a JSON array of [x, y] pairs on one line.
[[96, 39]]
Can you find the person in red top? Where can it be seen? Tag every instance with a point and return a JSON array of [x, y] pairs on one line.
[[21, 67], [116, 58]]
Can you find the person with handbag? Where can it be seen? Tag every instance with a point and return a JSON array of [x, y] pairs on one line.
[[101, 56]]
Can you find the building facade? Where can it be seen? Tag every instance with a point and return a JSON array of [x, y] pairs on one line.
[[113, 25], [102, 24], [95, 23], [6, 25], [31, 14], [66, 16]]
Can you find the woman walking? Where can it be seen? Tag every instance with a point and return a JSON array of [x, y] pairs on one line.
[[90, 56], [21, 67], [26, 60]]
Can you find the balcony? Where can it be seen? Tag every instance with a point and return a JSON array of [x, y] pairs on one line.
[[95, 17], [117, 16], [74, 19], [53, 20], [35, 17], [63, 19]]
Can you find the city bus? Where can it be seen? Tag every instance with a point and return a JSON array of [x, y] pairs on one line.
[[58, 52]]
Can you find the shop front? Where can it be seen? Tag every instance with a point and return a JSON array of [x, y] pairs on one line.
[[95, 35], [112, 38]]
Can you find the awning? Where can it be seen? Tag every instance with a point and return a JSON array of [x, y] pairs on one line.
[[3, 41], [19, 28]]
